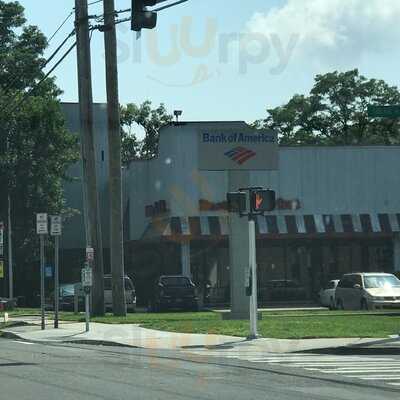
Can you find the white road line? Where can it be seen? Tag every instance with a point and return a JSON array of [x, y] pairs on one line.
[[394, 384], [295, 360], [377, 378], [353, 371], [347, 364], [22, 342]]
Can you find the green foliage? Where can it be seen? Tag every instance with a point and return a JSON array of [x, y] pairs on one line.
[[148, 119], [35, 147], [335, 113]]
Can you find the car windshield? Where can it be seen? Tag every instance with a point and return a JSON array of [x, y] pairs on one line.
[[175, 281], [67, 290], [381, 281]]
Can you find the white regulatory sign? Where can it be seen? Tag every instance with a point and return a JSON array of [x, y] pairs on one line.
[[55, 225], [89, 254], [41, 224], [87, 279]]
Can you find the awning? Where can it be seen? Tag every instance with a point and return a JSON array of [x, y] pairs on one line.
[[185, 228]]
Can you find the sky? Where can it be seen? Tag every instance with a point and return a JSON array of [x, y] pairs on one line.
[[220, 60]]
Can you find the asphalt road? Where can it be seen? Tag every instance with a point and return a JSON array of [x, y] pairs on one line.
[[94, 372]]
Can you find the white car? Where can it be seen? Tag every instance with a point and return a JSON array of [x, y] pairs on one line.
[[327, 294], [130, 293], [368, 291]]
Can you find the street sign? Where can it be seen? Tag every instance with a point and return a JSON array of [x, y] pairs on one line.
[[55, 225], [239, 148], [392, 112], [89, 253], [1, 269], [1, 235], [49, 271], [41, 224], [86, 277]]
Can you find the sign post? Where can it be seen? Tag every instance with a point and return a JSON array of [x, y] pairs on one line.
[[55, 230], [42, 230], [87, 283], [253, 277]]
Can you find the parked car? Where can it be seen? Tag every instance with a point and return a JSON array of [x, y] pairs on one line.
[[66, 299], [367, 291], [130, 293], [327, 294], [173, 292]]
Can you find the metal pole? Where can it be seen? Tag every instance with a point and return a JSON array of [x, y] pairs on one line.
[[87, 311], [88, 151], [253, 271], [42, 296], [114, 145], [10, 257], [56, 281]]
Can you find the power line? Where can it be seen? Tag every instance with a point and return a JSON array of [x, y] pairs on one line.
[[59, 28], [37, 85]]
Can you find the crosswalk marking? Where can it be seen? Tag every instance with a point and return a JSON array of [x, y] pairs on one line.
[[379, 369]]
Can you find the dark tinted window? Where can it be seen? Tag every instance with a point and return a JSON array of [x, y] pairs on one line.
[[107, 284], [175, 281]]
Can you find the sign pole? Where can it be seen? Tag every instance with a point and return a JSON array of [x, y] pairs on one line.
[[42, 296], [42, 230], [55, 230], [253, 275], [56, 281]]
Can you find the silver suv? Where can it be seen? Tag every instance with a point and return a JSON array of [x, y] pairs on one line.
[[367, 291]]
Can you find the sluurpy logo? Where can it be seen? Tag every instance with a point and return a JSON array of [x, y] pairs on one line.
[[240, 155]]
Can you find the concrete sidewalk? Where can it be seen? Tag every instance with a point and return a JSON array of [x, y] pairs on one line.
[[136, 336]]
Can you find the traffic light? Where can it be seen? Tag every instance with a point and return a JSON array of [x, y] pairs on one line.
[[236, 202], [262, 200], [142, 18]]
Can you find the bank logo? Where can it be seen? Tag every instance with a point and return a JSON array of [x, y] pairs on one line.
[[240, 155]]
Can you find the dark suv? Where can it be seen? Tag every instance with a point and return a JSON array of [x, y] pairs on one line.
[[173, 292]]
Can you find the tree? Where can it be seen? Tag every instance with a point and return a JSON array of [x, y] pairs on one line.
[[335, 112], [150, 121], [35, 147]]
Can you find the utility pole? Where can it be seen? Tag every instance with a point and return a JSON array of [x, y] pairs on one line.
[[114, 146], [88, 153]]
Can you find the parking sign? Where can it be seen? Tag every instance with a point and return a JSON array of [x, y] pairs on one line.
[[55, 225], [41, 224]]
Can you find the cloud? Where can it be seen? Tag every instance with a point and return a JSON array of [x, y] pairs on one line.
[[333, 30]]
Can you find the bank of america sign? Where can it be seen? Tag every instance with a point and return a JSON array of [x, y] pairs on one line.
[[238, 149]]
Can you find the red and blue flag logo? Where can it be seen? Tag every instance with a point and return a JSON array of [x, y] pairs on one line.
[[240, 155]]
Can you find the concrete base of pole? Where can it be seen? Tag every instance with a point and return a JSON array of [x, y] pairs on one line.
[[253, 337]]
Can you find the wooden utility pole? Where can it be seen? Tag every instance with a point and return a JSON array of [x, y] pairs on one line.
[[114, 143], [91, 197]]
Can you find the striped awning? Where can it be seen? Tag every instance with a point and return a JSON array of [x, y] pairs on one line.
[[276, 226]]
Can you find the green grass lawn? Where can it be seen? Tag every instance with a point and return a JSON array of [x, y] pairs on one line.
[[275, 324]]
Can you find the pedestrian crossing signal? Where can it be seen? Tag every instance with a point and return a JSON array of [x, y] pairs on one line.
[[263, 201]]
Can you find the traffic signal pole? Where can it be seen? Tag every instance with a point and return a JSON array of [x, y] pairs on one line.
[[91, 198], [114, 146], [253, 275]]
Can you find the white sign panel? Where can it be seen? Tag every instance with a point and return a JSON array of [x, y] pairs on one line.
[[56, 225], [89, 253], [238, 149], [87, 278], [1, 236], [41, 224]]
